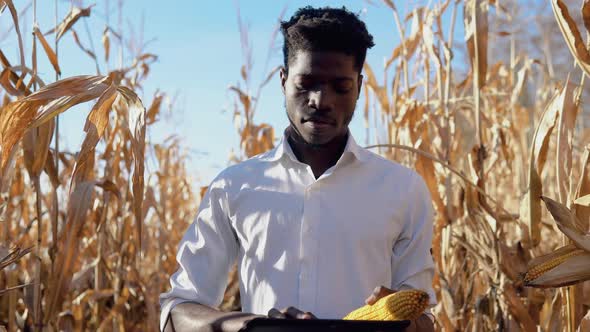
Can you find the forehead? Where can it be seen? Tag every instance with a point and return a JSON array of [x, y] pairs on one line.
[[322, 63]]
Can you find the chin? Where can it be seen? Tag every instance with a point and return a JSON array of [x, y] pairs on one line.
[[317, 141]]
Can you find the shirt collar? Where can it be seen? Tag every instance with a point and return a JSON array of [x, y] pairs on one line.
[[284, 149]]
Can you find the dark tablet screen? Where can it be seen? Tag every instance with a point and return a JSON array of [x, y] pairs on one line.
[[317, 325]]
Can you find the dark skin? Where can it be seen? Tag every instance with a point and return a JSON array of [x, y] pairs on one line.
[[321, 90]]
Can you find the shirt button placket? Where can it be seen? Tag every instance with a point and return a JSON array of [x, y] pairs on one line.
[[305, 254]]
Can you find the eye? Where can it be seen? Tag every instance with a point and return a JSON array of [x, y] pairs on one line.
[[343, 86], [303, 84]]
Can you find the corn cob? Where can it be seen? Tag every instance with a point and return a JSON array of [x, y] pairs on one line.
[[538, 270], [402, 305]]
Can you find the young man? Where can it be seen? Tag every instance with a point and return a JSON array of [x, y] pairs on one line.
[[319, 226]]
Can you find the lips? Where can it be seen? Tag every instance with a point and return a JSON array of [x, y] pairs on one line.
[[317, 125], [319, 121]]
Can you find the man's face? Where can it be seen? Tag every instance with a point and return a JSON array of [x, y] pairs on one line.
[[321, 91]]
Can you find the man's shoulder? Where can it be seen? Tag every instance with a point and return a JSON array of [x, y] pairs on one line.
[[390, 168], [242, 171]]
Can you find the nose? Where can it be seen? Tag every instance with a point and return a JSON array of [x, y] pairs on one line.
[[320, 100]]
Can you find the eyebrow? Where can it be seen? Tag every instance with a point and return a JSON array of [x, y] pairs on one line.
[[340, 78]]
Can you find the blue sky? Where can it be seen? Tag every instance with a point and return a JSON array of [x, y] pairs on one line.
[[200, 55]]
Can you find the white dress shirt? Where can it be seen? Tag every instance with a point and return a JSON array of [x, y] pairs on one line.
[[319, 245]]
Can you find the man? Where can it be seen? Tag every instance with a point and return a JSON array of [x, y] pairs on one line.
[[319, 226]]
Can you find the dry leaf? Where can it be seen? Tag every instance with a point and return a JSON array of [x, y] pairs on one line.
[[63, 94], [106, 43], [568, 223], [73, 16], [80, 201], [530, 209], [584, 200], [96, 123], [586, 14], [476, 35], [582, 194], [571, 34], [585, 323], [14, 15], [137, 128], [410, 44], [36, 146], [244, 99], [6, 82], [51, 170], [48, 50], [565, 137], [154, 108], [379, 91]]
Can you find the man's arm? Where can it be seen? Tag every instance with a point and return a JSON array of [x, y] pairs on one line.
[[205, 255], [412, 266], [195, 317]]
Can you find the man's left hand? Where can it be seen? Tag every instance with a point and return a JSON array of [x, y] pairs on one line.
[[290, 313]]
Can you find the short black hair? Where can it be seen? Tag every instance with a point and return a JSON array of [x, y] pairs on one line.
[[326, 29]]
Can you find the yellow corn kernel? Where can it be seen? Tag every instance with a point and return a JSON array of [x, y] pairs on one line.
[[538, 270], [402, 305]]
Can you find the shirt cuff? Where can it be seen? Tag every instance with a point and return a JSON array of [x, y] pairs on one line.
[[166, 308], [430, 315]]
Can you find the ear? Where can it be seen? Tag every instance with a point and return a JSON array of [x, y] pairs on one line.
[[283, 76], [360, 85]]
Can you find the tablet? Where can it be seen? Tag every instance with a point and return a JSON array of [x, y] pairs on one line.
[[317, 325]]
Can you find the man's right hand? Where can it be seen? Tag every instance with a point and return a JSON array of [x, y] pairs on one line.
[[290, 313]]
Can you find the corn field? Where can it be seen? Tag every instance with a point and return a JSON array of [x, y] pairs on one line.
[[88, 238]]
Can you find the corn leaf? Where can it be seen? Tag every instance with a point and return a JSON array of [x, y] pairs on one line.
[[582, 195], [410, 44], [137, 128], [530, 208], [66, 93], [106, 43], [584, 200], [71, 18], [36, 147], [48, 50], [80, 201], [585, 323], [568, 223], [572, 35], [379, 91], [95, 126], [586, 14], [476, 34], [14, 15], [565, 137]]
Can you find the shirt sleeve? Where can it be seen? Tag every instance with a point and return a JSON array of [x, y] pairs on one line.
[[205, 255], [411, 264]]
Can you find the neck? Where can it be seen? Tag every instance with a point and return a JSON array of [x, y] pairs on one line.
[[318, 157]]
